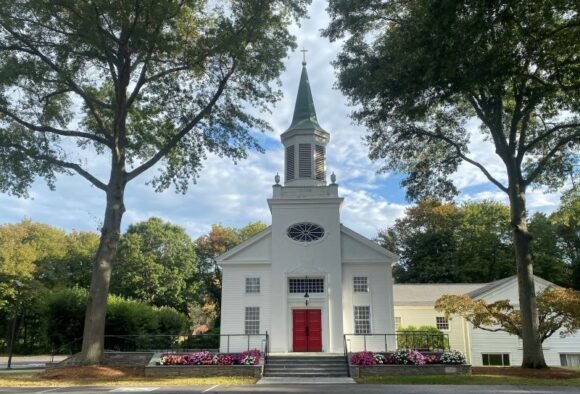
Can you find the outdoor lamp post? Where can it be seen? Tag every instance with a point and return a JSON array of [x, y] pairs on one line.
[[306, 298], [17, 286]]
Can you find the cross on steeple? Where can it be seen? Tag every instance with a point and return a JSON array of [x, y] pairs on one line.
[[304, 56]]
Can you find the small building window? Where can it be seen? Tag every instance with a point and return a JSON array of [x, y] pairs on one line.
[[314, 285], [570, 359], [495, 359], [442, 323], [362, 319], [252, 325], [252, 285], [361, 284], [397, 322]]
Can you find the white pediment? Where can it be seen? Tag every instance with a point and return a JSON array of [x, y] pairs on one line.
[[257, 249], [358, 249]]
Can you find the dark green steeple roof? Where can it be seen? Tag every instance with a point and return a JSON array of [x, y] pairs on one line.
[[304, 112]]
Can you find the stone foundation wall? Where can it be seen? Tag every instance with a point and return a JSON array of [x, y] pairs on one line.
[[204, 370], [359, 371], [111, 359]]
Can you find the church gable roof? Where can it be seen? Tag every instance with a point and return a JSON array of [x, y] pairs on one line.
[[357, 248], [257, 249]]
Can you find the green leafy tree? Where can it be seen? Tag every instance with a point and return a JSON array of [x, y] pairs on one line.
[[157, 264], [484, 241], [419, 70], [425, 239], [567, 222], [22, 246], [219, 240], [74, 267], [443, 242], [144, 84], [546, 251]]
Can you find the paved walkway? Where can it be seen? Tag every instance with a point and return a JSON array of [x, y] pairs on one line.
[[28, 362]]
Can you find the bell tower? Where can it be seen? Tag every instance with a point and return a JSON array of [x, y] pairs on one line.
[[305, 141], [306, 230]]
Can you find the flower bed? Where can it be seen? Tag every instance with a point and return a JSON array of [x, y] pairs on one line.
[[249, 357], [408, 362], [206, 364], [407, 357]]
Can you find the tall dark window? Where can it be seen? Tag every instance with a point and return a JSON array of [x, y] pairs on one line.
[[290, 163], [319, 162], [305, 161]]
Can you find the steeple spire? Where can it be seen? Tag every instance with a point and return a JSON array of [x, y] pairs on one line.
[[305, 141], [304, 112]]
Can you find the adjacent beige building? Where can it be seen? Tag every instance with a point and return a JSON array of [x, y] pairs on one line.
[[415, 306]]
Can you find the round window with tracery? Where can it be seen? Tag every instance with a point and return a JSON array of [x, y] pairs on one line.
[[305, 232]]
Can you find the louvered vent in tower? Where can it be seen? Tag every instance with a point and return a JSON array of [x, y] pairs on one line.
[[319, 162], [290, 163], [305, 161]]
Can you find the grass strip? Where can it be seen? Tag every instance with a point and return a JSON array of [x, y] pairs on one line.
[[468, 379], [32, 380]]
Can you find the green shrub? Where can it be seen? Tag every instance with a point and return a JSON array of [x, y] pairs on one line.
[[130, 325], [64, 312], [424, 337]]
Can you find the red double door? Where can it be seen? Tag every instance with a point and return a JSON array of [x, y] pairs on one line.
[[306, 330]]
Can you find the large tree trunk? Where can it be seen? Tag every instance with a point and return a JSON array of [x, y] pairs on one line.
[[533, 356], [94, 329]]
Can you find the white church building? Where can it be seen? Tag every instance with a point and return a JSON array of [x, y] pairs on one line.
[[307, 279]]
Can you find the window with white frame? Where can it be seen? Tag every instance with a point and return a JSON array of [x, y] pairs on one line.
[[362, 319], [495, 359], [252, 323], [570, 359], [397, 322], [252, 285], [361, 284], [310, 285], [442, 323]]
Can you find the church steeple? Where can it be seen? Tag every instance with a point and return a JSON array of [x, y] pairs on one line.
[[305, 141], [304, 111]]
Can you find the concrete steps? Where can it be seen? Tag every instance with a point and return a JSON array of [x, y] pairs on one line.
[[305, 366]]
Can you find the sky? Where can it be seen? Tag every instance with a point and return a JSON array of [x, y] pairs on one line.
[[234, 195]]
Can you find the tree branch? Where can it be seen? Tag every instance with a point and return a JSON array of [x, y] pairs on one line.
[[60, 163], [540, 166], [549, 133], [467, 159], [53, 130], [177, 137]]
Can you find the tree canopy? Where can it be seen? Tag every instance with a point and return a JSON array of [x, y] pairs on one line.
[[441, 242], [133, 86], [157, 264], [418, 71]]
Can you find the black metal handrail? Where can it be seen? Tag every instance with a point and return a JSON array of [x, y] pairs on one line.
[[346, 360], [232, 343], [417, 340]]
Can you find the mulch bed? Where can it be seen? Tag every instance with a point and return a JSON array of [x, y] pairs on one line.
[[91, 372], [550, 373]]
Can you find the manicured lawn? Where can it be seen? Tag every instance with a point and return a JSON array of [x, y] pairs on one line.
[[31, 380], [468, 379]]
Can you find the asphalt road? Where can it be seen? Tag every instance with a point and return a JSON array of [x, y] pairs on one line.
[[299, 389]]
